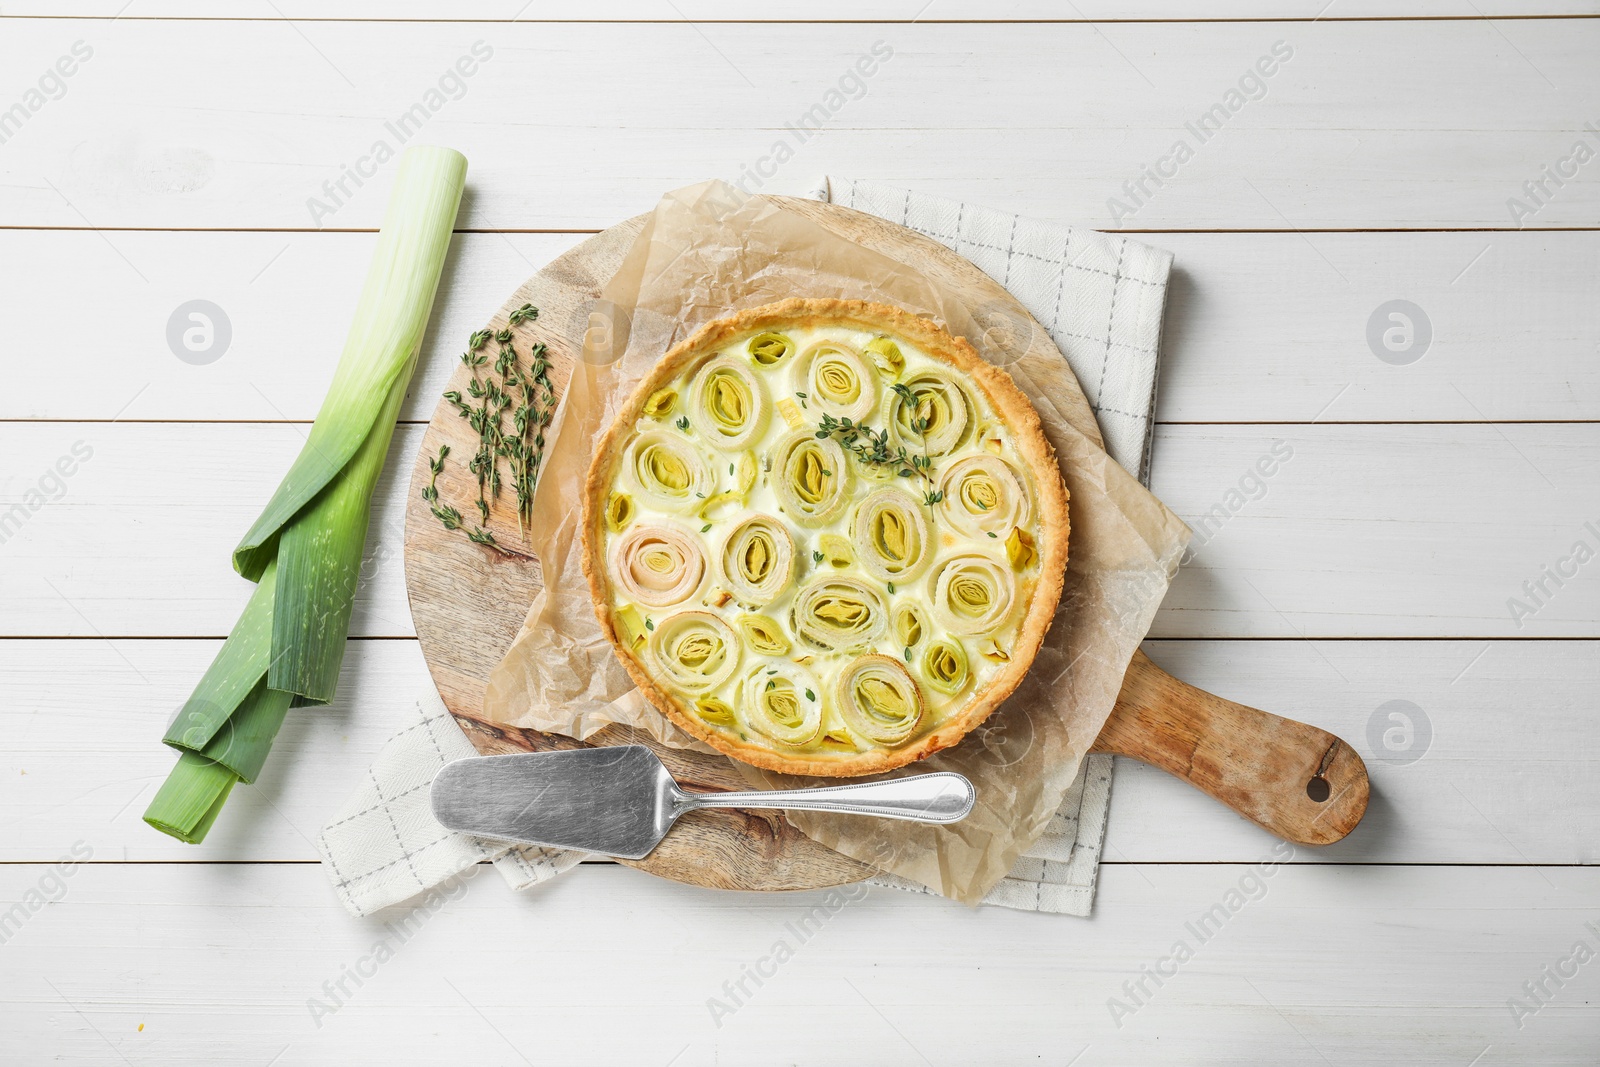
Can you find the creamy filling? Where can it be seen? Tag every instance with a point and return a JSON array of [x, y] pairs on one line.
[[830, 549]]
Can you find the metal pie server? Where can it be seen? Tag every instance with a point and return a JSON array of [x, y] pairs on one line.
[[621, 801]]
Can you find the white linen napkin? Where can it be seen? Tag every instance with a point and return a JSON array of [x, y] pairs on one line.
[[1101, 300]]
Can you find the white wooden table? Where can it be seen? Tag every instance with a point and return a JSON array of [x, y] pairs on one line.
[[179, 161]]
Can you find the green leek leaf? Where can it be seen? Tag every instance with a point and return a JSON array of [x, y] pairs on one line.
[[189, 801]]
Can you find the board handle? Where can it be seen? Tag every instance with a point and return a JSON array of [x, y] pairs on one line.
[[1294, 780]]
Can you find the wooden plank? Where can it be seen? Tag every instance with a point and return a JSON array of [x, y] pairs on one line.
[[1258, 326], [1409, 124], [1274, 327], [82, 758], [826, 11], [1367, 531], [1364, 531], [221, 963]]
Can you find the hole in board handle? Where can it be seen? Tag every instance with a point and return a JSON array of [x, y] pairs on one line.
[[1318, 789]]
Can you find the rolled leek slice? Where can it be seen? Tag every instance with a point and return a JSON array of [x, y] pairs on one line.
[[757, 560], [619, 512], [972, 594], [769, 349], [659, 566], [836, 551], [879, 700], [631, 628], [938, 400], [886, 356], [764, 636], [890, 535], [746, 467], [908, 624], [695, 650], [668, 470], [1021, 549], [730, 404], [839, 613], [783, 702], [944, 666], [661, 403], [715, 711], [810, 477], [984, 494], [838, 379]]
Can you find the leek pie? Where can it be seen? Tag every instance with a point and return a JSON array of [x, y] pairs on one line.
[[825, 536]]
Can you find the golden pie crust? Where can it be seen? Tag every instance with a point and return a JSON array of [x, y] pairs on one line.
[[1021, 422]]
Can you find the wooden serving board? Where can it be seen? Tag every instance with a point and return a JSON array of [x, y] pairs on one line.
[[468, 603]]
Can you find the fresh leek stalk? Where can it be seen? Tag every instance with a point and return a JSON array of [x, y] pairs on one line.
[[304, 552]]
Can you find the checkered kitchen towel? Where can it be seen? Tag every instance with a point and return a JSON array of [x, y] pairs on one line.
[[1101, 300]]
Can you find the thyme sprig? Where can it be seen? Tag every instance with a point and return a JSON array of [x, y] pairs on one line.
[[450, 518], [871, 447], [478, 417], [524, 448], [495, 391]]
